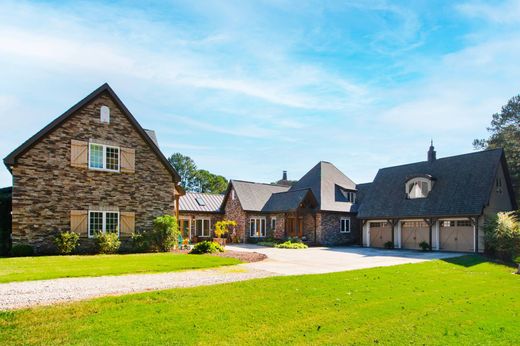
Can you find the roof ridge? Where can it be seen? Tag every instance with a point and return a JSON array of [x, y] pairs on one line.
[[445, 158], [254, 182], [295, 190]]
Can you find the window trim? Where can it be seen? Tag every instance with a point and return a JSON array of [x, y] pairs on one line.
[[104, 221], [259, 219], [418, 180], [209, 227], [273, 227], [341, 225], [104, 146]]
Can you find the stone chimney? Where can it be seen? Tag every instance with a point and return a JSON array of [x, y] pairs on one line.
[[432, 154], [284, 175]]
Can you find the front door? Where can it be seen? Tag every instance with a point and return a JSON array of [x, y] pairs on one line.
[[295, 227], [184, 228]]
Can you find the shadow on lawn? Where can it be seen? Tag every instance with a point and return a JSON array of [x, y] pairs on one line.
[[467, 260]]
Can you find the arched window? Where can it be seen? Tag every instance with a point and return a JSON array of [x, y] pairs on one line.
[[418, 188]]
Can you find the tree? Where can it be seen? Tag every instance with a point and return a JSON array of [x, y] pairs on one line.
[[505, 133], [197, 180], [186, 168], [210, 183]]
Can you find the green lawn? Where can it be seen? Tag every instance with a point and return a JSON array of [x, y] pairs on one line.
[[468, 301], [51, 267]]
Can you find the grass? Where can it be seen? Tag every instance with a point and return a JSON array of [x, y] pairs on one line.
[[51, 267], [463, 301]]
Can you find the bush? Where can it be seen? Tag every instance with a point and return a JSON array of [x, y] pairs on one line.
[[66, 242], [502, 236], [424, 246], [107, 243], [222, 227], [266, 243], [389, 245], [291, 245], [140, 242], [206, 247], [165, 233], [22, 250]]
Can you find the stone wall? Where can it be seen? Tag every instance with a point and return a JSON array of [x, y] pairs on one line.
[[233, 211], [46, 187], [329, 229]]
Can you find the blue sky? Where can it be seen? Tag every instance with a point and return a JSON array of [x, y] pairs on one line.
[[248, 89]]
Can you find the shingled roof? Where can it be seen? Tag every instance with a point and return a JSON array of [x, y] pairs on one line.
[[201, 202], [287, 201], [254, 196], [462, 187], [325, 181]]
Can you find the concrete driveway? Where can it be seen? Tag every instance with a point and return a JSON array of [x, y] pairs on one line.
[[317, 260]]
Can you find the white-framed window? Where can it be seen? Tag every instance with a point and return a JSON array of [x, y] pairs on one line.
[[203, 227], [102, 221], [233, 194], [103, 157], [257, 227], [418, 188], [273, 223], [104, 114], [344, 225], [351, 196]]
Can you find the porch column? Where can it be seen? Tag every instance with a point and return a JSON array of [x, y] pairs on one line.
[[437, 236], [474, 221], [399, 233]]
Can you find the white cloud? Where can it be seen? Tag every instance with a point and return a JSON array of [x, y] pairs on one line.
[[508, 12]]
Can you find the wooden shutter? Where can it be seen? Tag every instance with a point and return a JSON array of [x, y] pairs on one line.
[[127, 160], [127, 226], [79, 222], [78, 153]]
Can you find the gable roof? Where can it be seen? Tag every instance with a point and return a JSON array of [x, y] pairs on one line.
[[212, 202], [254, 196], [326, 181], [287, 201], [462, 187], [10, 159]]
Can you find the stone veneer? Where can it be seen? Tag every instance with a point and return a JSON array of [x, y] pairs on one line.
[[46, 187], [328, 230]]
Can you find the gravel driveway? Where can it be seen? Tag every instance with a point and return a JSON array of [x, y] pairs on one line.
[[279, 262], [17, 295]]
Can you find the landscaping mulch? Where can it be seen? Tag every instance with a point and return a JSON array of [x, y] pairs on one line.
[[244, 256]]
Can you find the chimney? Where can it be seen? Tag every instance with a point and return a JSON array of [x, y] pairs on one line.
[[284, 175], [432, 154]]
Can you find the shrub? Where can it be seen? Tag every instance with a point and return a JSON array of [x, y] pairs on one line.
[[140, 242], [389, 245], [66, 242], [502, 236], [22, 250], [424, 245], [165, 233], [266, 243], [206, 247], [291, 245], [222, 227], [107, 243]]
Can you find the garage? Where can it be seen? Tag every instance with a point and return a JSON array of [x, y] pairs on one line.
[[380, 233], [456, 235], [413, 233]]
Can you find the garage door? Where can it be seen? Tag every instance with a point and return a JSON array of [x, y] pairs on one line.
[[456, 236], [413, 233], [380, 233]]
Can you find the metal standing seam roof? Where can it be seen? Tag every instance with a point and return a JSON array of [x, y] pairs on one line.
[[462, 187], [212, 202], [254, 196]]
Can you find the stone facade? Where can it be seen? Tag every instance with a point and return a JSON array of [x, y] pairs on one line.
[[328, 229], [46, 187]]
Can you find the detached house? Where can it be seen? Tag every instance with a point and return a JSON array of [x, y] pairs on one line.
[[93, 169]]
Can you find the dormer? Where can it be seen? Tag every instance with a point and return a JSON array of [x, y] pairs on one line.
[[418, 186]]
